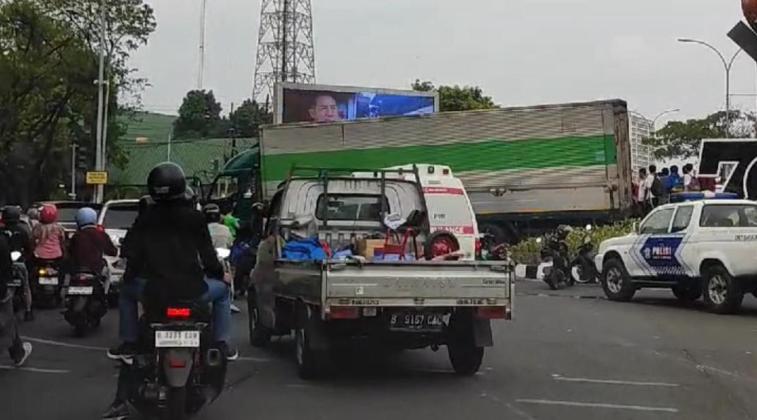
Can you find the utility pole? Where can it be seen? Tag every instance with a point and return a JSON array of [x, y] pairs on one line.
[[99, 189], [72, 194]]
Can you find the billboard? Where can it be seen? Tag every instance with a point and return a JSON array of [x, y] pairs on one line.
[[324, 104]]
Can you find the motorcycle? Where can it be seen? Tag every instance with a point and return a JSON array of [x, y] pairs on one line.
[[15, 286], [86, 302], [46, 285], [582, 268], [554, 257], [177, 371], [223, 255]]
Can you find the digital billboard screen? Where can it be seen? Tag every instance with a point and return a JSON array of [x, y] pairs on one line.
[[326, 104]]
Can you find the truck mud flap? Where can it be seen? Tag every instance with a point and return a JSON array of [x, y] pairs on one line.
[[482, 333]]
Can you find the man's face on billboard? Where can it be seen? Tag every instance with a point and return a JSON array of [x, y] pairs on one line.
[[324, 110]]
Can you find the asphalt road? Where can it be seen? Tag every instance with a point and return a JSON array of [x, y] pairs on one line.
[[568, 355]]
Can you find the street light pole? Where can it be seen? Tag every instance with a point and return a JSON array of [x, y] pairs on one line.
[[72, 194], [100, 108], [728, 65], [660, 115]]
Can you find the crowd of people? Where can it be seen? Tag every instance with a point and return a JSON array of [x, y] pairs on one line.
[[652, 188]]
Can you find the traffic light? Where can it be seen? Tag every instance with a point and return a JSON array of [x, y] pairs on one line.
[[83, 160]]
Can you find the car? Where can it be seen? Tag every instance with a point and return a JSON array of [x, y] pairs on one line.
[[697, 248], [116, 218]]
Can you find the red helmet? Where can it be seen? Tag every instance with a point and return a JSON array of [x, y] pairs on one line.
[[48, 214]]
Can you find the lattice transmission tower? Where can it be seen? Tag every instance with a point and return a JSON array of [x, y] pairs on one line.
[[285, 46]]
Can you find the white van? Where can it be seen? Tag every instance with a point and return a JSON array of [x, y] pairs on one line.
[[449, 208]]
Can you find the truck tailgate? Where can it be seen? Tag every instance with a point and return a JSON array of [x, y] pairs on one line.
[[418, 284]]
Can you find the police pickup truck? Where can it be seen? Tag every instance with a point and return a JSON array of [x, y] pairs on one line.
[[703, 248]]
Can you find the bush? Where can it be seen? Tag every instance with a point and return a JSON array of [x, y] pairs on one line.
[[527, 251]]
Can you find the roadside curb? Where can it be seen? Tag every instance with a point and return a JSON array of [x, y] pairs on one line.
[[530, 272]]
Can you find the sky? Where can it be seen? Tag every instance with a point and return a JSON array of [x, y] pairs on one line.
[[520, 52]]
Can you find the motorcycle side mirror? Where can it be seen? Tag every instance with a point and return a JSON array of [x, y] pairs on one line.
[[588, 227]]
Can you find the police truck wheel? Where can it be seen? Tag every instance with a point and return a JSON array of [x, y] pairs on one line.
[[616, 282], [722, 293]]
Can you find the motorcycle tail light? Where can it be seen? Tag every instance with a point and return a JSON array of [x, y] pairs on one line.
[[178, 313]]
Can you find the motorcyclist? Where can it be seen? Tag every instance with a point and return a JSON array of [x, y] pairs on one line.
[[49, 236], [170, 255], [89, 244], [18, 350], [19, 237], [220, 234]]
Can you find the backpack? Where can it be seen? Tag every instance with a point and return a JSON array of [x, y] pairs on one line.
[[657, 188]]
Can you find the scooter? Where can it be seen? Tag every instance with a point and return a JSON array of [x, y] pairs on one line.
[[86, 302], [178, 371], [223, 256], [554, 257], [582, 268], [46, 284]]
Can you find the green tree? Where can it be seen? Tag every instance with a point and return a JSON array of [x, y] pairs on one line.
[[457, 98], [199, 116], [247, 119], [682, 139]]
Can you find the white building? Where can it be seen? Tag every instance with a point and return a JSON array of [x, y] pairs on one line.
[[640, 128]]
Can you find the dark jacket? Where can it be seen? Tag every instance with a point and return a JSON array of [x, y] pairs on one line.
[[170, 246], [6, 265], [87, 248], [20, 238]]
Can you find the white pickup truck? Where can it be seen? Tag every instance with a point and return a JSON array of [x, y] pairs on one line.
[[413, 302], [706, 247]]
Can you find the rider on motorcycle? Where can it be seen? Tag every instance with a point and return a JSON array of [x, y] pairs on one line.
[[20, 240], [18, 350], [220, 234], [170, 255], [89, 244]]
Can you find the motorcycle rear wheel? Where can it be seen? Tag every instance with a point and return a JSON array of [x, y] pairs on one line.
[[176, 404]]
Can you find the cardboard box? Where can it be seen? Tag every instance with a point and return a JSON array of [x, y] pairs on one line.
[[367, 247]]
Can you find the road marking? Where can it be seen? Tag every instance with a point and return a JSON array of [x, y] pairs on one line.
[[611, 381], [31, 369], [597, 405], [62, 344], [253, 359]]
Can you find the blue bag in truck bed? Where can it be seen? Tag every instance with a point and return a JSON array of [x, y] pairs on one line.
[[304, 250]]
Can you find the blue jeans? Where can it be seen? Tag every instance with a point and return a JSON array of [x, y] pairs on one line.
[[218, 294]]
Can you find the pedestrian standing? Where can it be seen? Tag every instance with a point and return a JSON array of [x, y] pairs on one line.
[[18, 350], [664, 198], [641, 194]]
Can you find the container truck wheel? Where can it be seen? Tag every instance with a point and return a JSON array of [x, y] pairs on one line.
[[722, 293], [616, 282]]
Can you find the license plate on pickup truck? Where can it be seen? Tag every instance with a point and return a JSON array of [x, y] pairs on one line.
[[416, 321], [190, 339], [80, 290], [48, 281]]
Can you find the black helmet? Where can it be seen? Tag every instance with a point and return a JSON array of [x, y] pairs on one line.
[[11, 214], [166, 182], [212, 213]]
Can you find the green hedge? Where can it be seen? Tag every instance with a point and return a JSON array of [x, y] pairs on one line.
[[527, 251]]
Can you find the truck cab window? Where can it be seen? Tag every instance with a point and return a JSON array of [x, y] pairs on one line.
[[657, 223], [351, 208]]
